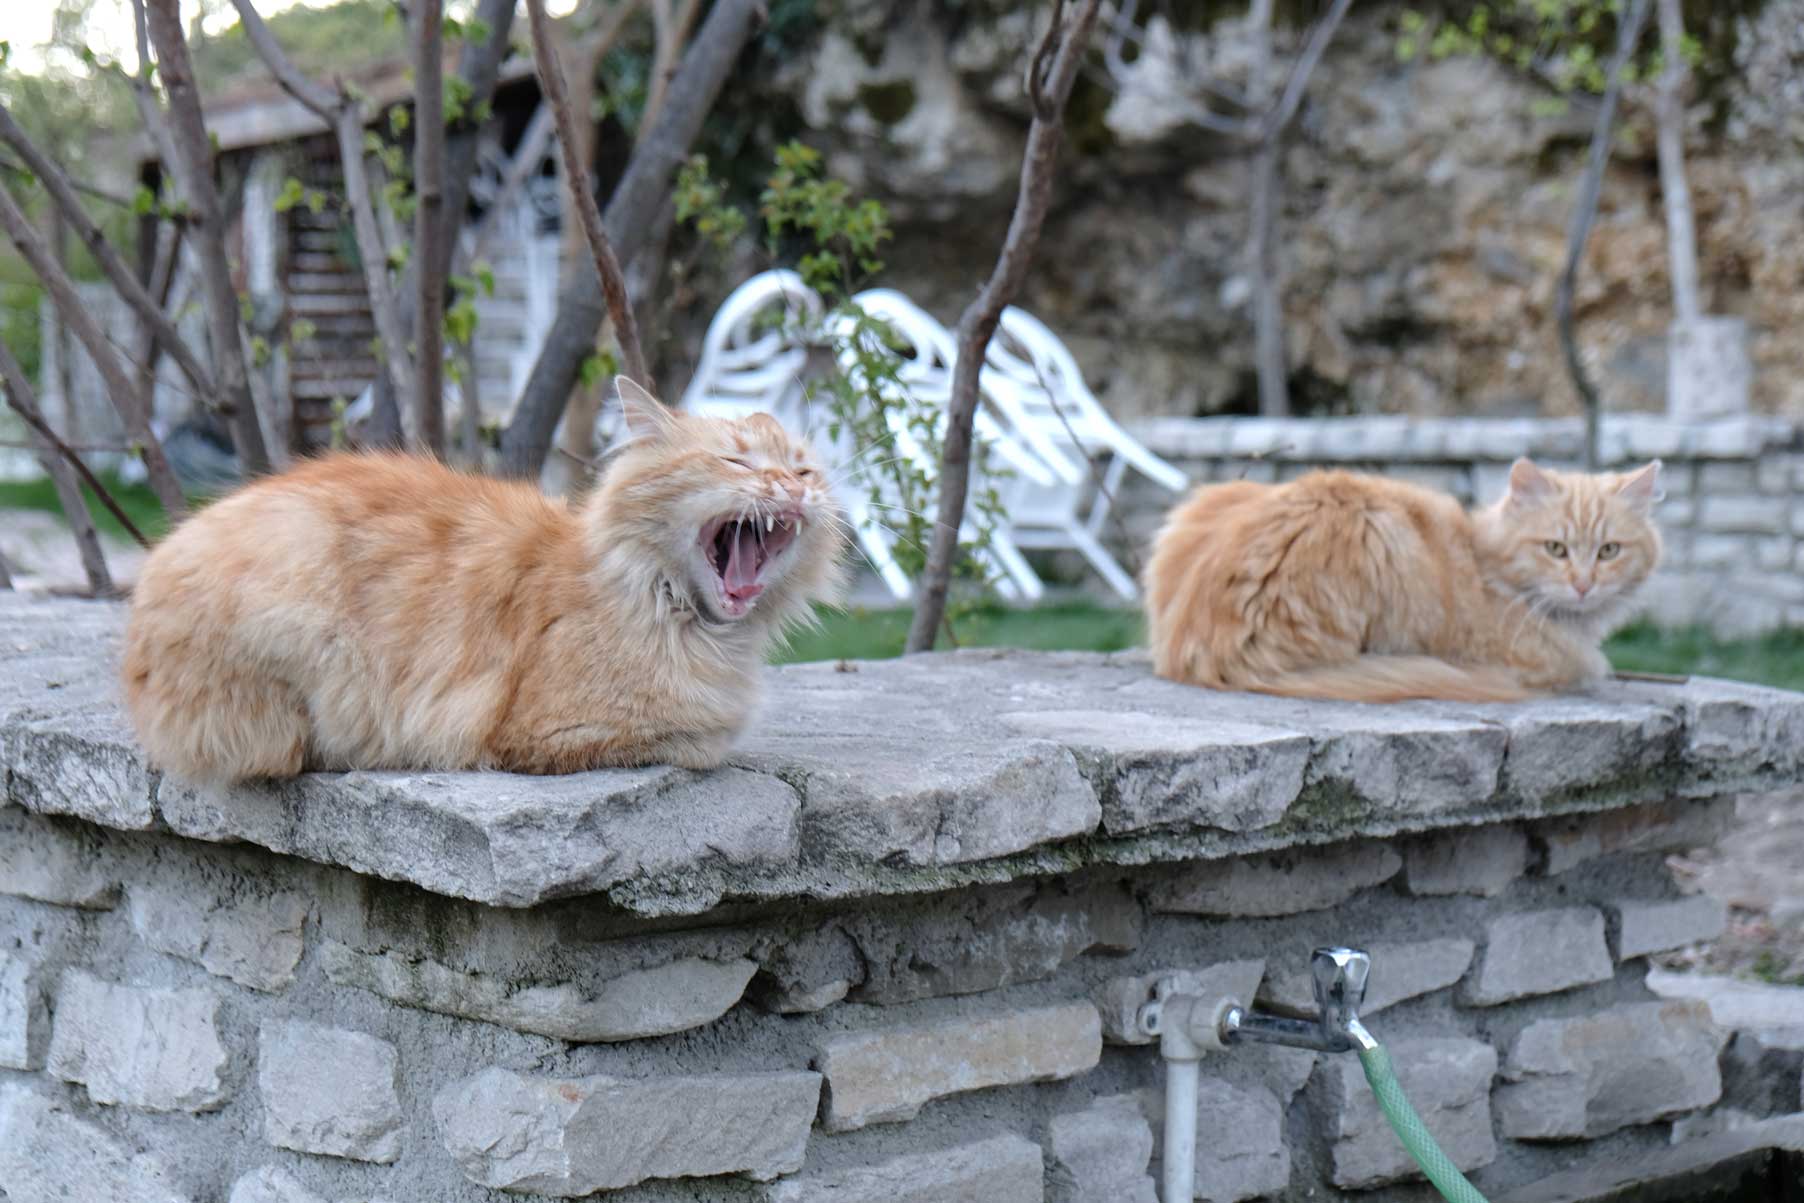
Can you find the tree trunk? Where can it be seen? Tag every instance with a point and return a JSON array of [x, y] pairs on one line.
[[431, 251], [1675, 195], [1578, 232], [478, 65], [635, 205], [194, 165], [1265, 200], [1050, 77]]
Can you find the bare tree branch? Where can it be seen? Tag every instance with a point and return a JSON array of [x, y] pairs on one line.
[[132, 405], [634, 206], [344, 114], [1049, 85], [1578, 232], [123, 279], [1280, 116], [478, 66], [61, 465], [86, 189], [431, 251], [193, 165], [672, 31], [6, 574], [576, 178]]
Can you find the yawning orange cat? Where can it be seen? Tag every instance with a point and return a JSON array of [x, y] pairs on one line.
[[381, 611], [1371, 590]]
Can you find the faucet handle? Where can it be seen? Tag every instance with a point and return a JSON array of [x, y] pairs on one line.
[[1338, 976]]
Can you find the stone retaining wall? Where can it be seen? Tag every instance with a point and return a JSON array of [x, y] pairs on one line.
[[1733, 518], [893, 953]]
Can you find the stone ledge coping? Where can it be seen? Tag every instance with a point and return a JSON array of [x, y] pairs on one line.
[[1623, 439], [885, 777]]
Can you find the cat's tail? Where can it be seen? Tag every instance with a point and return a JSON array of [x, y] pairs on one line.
[[1374, 678]]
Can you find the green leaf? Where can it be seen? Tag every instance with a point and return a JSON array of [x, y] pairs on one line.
[[144, 201], [292, 194]]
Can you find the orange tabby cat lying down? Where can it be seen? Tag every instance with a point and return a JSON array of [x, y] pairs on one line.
[[1370, 590], [381, 611]]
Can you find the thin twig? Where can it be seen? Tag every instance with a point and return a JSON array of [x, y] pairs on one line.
[[613, 280], [20, 398], [123, 279], [1578, 232], [1050, 77], [131, 403]]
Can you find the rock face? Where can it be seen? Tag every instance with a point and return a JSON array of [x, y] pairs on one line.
[[142, 1047], [1424, 207], [329, 1091], [50, 1154]]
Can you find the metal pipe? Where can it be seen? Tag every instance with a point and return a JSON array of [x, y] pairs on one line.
[[1179, 1157]]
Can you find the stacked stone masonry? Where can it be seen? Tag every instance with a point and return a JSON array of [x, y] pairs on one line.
[[1733, 517], [896, 962]]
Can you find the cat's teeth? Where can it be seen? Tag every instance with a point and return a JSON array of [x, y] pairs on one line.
[[770, 523]]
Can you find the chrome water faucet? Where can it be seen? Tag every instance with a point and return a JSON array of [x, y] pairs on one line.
[[1338, 978]]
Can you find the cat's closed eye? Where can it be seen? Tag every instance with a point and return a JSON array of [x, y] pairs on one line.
[[1555, 548], [1609, 551], [737, 463]]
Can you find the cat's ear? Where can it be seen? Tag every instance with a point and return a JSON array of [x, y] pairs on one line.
[[1641, 488], [1529, 485], [646, 416]]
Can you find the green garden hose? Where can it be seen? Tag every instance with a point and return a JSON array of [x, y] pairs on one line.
[[1408, 1125]]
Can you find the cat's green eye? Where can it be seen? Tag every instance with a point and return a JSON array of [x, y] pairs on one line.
[[1609, 551], [1555, 548]]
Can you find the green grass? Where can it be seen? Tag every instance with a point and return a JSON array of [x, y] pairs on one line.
[[875, 634], [1776, 658], [138, 502], [866, 634]]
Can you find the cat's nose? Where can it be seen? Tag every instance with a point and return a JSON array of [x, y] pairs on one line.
[[1581, 587]]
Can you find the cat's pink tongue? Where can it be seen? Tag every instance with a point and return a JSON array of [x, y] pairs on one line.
[[741, 575]]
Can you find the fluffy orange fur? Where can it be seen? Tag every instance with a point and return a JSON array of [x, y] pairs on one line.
[[1344, 586], [381, 611]]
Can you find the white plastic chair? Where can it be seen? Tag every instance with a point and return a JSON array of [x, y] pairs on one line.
[[751, 360], [1031, 366], [925, 357]]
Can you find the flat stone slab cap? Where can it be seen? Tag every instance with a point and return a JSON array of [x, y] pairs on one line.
[[901, 776]]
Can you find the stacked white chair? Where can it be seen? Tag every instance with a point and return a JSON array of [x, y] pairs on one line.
[[1038, 420]]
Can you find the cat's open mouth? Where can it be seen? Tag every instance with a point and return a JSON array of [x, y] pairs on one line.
[[740, 549]]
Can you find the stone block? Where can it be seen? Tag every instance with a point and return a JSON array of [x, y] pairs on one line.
[[1566, 742], [885, 1075], [807, 971], [1593, 1074], [1715, 552], [234, 924], [55, 861], [1100, 1154], [1399, 972], [48, 1155], [1119, 999], [1153, 769], [569, 1137], [675, 997], [991, 940], [1660, 827], [154, 1049], [271, 1184], [1475, 860], [1752, 515], [1727, 477], [24, 1020], [1240, 1150], [1774, 553], [329, 1091], [1540, 952], [1449, 1083], [82, 763], [1004, 1169], [1279, 883], [1639, 927]]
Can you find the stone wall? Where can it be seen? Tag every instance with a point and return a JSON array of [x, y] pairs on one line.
[[1733, 518], [891, 954]]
